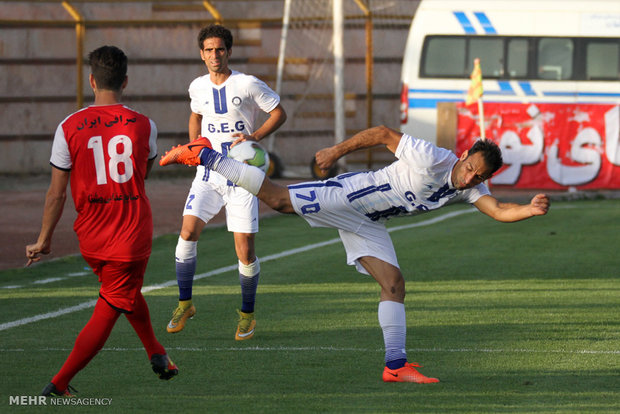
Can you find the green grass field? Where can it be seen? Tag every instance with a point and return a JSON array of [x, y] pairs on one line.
[[511, 318]]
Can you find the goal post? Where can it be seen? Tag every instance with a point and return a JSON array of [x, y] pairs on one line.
[[330, 72], [338, 52]]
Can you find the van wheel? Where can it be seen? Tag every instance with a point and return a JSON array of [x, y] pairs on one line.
[[275, 166]]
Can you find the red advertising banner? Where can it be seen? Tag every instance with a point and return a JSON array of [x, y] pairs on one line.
[[548, 146]]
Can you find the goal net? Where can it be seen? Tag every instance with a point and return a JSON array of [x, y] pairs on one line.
[[306, 68]]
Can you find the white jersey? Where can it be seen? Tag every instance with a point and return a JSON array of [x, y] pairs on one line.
[[357, 204], [420, 180], [234, 106]]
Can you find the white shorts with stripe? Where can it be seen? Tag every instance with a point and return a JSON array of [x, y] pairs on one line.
[[325, 204], [206, 199]]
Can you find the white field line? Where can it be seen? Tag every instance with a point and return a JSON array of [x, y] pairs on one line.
[[337, 349], [48, 280], [408, 226], [85, 305]]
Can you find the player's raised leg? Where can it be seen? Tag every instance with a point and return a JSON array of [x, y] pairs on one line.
[[250, 178]]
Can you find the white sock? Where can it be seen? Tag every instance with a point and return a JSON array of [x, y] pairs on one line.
[[394, 325], [244, 175], [185, 250]]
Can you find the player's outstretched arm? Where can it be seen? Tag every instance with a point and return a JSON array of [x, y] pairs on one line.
[[379, 135], [539, 205], [511, 212], [54, 204]]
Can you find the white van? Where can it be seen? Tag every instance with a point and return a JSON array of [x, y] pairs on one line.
[[531, 51]]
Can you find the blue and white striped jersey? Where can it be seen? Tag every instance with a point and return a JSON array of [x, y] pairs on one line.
[[419, 181]]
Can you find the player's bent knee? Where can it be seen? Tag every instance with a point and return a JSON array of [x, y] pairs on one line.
[[393, 287], [281, 204], [191, 228]]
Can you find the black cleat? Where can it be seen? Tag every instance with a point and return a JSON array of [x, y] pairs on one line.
[[163, 367], [50, 390]]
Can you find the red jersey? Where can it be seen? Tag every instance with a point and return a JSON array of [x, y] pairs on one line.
[[106, 148]]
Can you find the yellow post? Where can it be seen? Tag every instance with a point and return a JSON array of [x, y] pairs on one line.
[[80, 30], [211, 8]]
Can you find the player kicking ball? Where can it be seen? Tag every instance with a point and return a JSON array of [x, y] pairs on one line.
[[424, 177]]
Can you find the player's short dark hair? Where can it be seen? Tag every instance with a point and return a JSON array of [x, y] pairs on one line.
[[215, 30], [491, 153], [108, 64]]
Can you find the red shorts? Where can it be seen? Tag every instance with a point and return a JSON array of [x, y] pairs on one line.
[[120, 281]]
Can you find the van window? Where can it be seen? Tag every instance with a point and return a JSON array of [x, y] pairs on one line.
[[517, 58], [602, 60], [522, 57], [555, 58], [445, 56], [490, 50]]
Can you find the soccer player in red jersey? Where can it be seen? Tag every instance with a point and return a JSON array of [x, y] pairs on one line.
[[106, 151]]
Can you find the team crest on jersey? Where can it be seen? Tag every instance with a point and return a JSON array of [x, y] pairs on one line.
[[236, 101]]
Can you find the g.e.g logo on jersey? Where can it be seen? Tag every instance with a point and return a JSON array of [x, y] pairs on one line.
[[226, 128]]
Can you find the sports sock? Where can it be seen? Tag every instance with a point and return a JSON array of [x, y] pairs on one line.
[[248, 278], [88, 343], [140, 320], [210, 158], [397, 363], [393, 323], [185, 264], [245, 176]]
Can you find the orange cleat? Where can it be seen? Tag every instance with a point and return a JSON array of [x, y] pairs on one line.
[[407, 374], [188, 154], [179, 317], [247, 324]]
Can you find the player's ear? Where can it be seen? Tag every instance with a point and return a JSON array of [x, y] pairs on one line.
[[91, 80], [124, 85], [464, 155]]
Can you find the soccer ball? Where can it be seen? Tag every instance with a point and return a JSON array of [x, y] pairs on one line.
[[251, 153]]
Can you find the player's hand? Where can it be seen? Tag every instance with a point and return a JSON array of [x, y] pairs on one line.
[[34, 250], [326, 158], [539, 205], [240, 137]]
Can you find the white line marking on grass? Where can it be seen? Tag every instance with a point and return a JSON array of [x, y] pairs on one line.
[[221, 270], [48, 315], [45, 281], [49, 280], [337, 349], [432, 221]]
